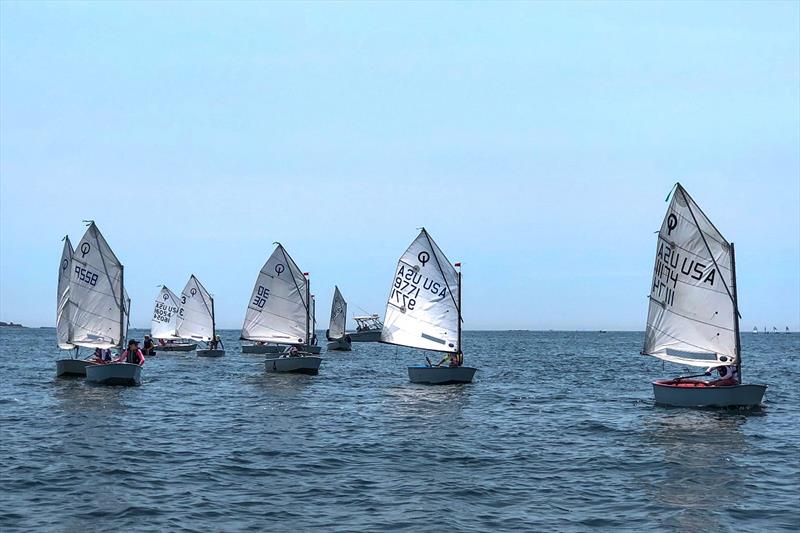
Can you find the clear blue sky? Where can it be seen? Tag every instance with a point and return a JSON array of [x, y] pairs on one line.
[[535, 141]]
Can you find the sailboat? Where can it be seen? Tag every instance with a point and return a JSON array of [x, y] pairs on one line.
[[280, 312], [336, 335], [755, 329], [68, 366], [424, 311], [774, 329], [166, 322], [98, 307], [197, 317], [787, 329], [693, 316]]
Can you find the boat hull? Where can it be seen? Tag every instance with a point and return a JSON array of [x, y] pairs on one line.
[[210, 353], [176, 348], [114, 374], [340, 345], [440, 375], [72, 367], [373, 335], [293, 365], [262, 348], [691, 393]]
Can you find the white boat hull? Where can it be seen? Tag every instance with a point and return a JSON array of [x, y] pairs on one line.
[[210, 353], [72, 367], [293, 365], [373, 335], [176, 348], [440, 375], [114, 374], [340, 345], [696, 394]]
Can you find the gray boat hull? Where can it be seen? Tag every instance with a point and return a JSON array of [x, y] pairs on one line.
[[697, 394]]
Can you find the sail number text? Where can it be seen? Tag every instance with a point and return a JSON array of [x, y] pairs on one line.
[[86, 275], [261, 297]]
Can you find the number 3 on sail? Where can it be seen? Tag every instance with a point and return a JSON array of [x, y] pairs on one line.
[[693, 317]]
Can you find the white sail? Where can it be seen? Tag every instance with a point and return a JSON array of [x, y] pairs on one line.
[[62, 298], [197, 320], [166, 315], [691, 318], [95, 287], [338, 316], [277, 310], [422, 311]]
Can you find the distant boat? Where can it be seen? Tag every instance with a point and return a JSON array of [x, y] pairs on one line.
[[166, 322], [774, 329], [787, 329], [755, 329], [368, 329], [424, 311], [337, 338], [97, 308], [266, 329], [197, 320], [280, 312], [693, 316]]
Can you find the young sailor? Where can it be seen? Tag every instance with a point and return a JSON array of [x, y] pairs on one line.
[[132, 355], [728, 376]]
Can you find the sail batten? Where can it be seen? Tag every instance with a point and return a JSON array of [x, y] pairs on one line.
[[277, 310], [691, 309], [422, 309]]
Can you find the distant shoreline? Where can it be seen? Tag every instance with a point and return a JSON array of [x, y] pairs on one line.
[[10, 325]]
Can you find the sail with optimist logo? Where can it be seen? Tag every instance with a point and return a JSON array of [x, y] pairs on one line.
[[98, 304], [62, 298], [196, 312], [423, 310], [336, 328], [279, 310], [692, 317], [166, 315]]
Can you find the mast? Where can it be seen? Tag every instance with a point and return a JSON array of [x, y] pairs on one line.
[[736, 314], [121, 307], [459, 309], [308, 309], [213, 322]]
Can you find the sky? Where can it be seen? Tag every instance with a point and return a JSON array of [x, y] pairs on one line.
[[536, 142]]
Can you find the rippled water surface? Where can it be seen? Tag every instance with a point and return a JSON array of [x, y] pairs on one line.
[[558, 432]]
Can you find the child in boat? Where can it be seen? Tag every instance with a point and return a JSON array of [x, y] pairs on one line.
[[149, 345], [728, 376], [132, 355], [452, 359]]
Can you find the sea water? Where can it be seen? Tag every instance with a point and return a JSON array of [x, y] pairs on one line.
[[558, 432]]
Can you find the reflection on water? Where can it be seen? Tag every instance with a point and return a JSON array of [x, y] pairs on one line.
[[700, 476]]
